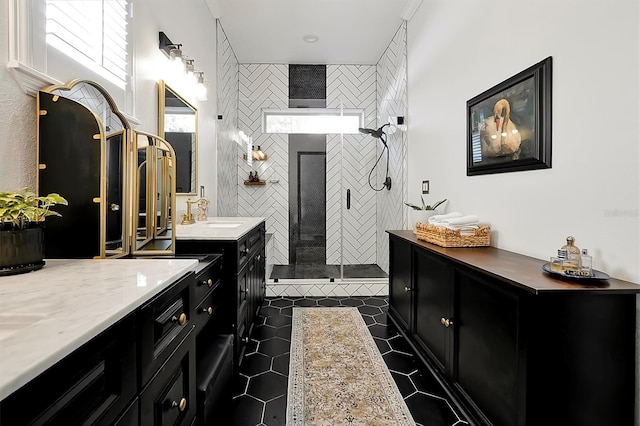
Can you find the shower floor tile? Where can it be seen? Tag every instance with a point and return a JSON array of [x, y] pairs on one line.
[[313, 271]]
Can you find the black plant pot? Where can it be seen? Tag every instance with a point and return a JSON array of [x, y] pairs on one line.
[[21, 251]]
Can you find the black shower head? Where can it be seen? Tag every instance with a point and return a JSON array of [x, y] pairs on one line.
[[375, 133]]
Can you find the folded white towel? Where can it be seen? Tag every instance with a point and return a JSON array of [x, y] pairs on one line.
[[440, 217], [464, 229], [459, 221]]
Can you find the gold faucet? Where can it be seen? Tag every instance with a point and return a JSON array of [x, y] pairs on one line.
[[188, 219]]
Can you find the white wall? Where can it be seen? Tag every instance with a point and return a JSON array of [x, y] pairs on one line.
[[18, 124], [456, 51], [195, 28], [591, 191]]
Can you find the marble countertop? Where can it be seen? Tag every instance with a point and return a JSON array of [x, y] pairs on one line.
[[218, 228], [47, 314]]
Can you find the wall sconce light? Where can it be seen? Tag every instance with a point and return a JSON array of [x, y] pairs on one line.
[[167, 45], [172, 50], [201, 88], [183, 65], [191, 71]]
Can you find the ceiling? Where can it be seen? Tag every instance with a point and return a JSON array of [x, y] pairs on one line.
[[349, 31]]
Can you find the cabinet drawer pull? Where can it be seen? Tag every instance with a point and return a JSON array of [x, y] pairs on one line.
[[247, 291], [182, 319], [259, 257], [244, 252], [407, 289], [245, 340], [208, 282], [446, 322], [182, 405], [208, 310]]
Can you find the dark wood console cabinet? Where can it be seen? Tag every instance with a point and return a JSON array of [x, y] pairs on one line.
[[510, 344]]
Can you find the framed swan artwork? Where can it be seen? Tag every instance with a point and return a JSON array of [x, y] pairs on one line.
[[509, 125]]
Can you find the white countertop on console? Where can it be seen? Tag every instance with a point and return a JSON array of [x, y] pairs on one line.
[[47, 314], [218, 228]]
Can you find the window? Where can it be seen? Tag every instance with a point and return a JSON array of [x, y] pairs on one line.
[[316, 121], [93, 33]]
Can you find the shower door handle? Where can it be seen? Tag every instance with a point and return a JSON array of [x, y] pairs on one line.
[[348, 199]]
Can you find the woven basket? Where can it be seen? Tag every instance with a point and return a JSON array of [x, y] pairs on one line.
[[445, 237]]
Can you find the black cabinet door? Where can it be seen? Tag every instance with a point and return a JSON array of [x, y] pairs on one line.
[[400, 282], [434, 320], [170, 397], [490, 348]]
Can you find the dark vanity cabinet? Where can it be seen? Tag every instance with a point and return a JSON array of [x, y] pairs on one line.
[[90, 386], [147, 369], [243, 283], [512, 345], [140, 371]]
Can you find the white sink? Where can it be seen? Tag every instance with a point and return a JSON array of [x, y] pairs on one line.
[[222, 225], [12, 322]]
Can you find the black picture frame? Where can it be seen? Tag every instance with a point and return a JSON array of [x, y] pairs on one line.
[[516, 135]]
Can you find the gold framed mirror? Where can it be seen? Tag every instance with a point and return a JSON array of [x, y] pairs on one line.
[[178, 125], [154, 200]]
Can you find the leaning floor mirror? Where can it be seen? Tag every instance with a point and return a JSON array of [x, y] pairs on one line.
[[178, 124]]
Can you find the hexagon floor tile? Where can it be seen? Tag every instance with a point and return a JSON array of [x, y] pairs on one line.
[[261, 390]]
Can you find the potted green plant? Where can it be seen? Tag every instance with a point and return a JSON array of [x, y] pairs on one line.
[[22, 215], [421, 214]]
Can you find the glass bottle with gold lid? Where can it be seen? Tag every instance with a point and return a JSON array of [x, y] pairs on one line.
[[573, 252]]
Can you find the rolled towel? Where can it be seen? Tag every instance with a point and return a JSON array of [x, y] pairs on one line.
[[461, 221], [440, 217]]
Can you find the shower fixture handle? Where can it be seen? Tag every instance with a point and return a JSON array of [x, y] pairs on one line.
[[348, 199]]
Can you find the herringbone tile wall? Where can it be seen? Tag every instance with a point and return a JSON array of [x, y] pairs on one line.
[[351, 86], [265, 86], [227, 147], [380, 90], [392, 102]]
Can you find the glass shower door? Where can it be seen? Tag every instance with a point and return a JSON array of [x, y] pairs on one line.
[[358, 229]]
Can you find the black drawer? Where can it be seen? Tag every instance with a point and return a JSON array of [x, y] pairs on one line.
[[255, 237], [243, 288], [207, 279], [209, 308], [169, 398], [93, 385], [214, 368], [164, 322]]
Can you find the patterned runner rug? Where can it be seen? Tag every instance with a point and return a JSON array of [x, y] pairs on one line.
[[337, 375]]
